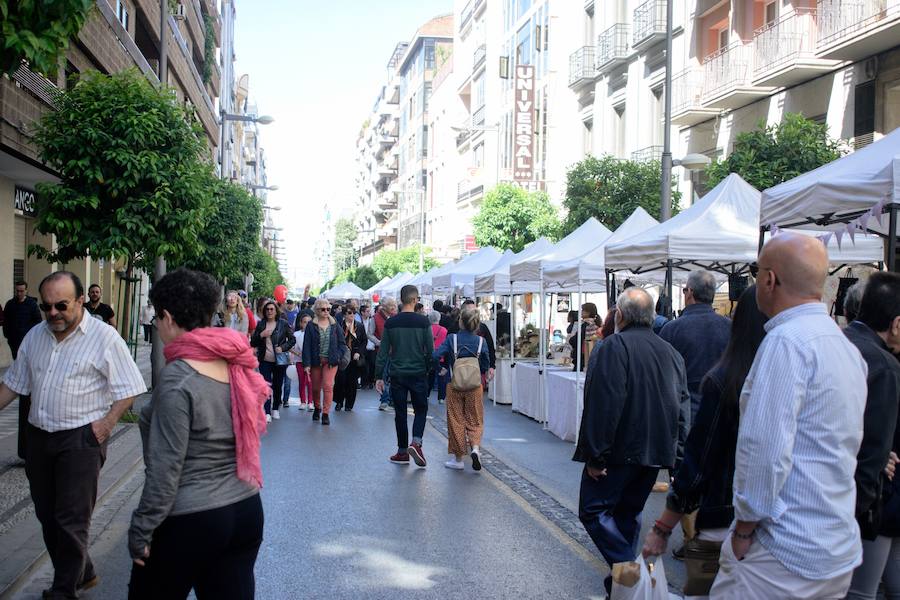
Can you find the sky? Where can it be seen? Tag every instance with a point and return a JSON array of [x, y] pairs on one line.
[[317, 67]]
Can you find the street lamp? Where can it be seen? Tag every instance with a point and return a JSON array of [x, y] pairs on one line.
[[271, 188], [271, 208], [223, 117]]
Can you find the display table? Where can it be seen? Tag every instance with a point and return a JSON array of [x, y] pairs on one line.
[[527, 387], [500, 390], [565, 400]]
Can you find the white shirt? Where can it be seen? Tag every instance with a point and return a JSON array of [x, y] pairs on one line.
[[73, 382], [147, 314], [800, 430]]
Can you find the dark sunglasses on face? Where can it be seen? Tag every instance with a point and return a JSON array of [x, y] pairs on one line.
[[59, 306]]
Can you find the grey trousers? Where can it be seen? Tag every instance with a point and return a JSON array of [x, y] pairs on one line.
[[881, 562]]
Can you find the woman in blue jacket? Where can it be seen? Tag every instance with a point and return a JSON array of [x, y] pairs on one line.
[[321, 358], [465, 409]]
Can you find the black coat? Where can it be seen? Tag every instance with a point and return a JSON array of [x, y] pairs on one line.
[[358, 343], [18, 319], [636, 405], [879, 424], [282, 336]]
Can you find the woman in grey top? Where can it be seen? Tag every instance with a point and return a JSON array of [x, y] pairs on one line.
[[199, 523]]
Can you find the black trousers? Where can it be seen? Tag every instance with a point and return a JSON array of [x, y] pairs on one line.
[[345, 385], [369, 376], [274, 374], [212, 552], [148, 330], [24, 408], [63, 469]]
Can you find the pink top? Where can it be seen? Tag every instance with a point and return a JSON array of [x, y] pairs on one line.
[[439, 333]]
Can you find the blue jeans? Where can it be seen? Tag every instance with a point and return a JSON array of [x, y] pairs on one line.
[[287, 387], [416, 388], [386, 378]]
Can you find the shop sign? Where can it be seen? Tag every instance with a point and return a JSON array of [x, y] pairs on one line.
[[25, 201], [534, 185], [523, 123], [470, 244]]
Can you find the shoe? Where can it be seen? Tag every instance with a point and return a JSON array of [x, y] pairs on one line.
[[286, 403], [401, 458], [348, 410], [89, 583], [476, 460], [326, 420], [660, 486], [338, 407], [276, 415], [310, 407], [302, 406], [268, 418], [454, 464], [316, 414], [678, 553], [415, 450], [383, 406]]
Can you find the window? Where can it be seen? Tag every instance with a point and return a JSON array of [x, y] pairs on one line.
[[429, 54], [524, 5], [771, 12], [478, 155], [863, 114], [619, 132], [657, 114], [523, 46], [723, 38], [478, 98], [587, 143], [122, 13], [426, 95]]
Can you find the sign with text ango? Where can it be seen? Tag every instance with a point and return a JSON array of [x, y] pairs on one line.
[[523, 123]]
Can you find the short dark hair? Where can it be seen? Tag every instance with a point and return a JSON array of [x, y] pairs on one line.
[[94, 285], [881, 301], [409, 294], [419, 306], [20, 282], [468, 302], [437, 304], [189, 296], [79, 287]]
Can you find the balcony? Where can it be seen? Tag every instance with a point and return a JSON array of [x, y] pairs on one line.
[[727, 78], [479, 57], [785, 51], [386, 200], [612, 47], [468, 190], [855, 29], [478, 117], [649, 24], [582, 68], [465, 15], [463, 137], [647, 154], [687, 99]]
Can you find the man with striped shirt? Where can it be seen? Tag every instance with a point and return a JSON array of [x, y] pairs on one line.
[[795, 534], [81, 379]]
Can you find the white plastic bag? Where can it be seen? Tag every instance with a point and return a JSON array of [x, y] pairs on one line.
[[646, 587], [292, 373]]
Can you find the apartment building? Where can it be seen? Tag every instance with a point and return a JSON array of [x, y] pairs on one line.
[[118, 34]]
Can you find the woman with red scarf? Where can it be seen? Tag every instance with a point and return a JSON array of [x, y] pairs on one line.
[[199, 523]]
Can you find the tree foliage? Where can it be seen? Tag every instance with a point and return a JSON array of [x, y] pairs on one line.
[[770, 155], [344, 253], [38, 32], [510, 218], [388, 263], [610, 189], [266, 274], [134, 177], [364, 277]]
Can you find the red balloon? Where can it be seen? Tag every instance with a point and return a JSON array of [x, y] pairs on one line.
[[280, 293], [375, 297]]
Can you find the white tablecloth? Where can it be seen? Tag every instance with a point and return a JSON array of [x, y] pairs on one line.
[[500, 390], [565, 403], [527, 388]]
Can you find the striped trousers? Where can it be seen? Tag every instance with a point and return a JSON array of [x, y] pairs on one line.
[[465, 419]]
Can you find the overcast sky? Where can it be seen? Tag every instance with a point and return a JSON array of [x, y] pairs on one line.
[[316, 67]]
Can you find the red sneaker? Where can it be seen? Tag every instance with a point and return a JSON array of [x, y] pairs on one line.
[[415, 450], [401, 458]]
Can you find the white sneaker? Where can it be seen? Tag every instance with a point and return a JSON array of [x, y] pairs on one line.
[[454, 464], [268, 418], [310, 407], [276, 415], [303, 406]]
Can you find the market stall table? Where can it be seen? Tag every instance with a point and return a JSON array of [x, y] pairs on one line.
[[526, 398], [565, 401], [500, 390]]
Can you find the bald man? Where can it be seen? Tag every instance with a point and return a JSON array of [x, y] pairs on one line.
[[795, 535]]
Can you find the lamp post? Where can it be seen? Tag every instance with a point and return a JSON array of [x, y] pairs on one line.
[[223, 118], [157, 358]]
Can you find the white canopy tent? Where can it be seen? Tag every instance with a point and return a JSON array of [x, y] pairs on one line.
[[344, 291], [587, 273], [393, 286], [461, 278], [847, 194], [496, 280], [374, 289], [424, 280]]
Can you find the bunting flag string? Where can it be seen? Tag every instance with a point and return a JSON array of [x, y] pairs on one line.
[[839, 236]]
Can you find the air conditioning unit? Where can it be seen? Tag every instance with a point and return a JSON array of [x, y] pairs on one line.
[[180, 13]]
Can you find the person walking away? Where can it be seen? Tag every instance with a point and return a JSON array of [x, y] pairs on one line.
[[386, 310], [704, 479], [348, 380], [147, 314], [305, 392], [633, 424], [465, 354], [20, 315], [321, 358], [69, 425], [485, 332], [407, 341], [795, 535], [272, 339], [97, 309], [876, 334], [199, 522], [234, 316], [368, 322], [437, 375]]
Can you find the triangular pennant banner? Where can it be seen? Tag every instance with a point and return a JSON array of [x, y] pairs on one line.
[[864, 221], [851, 231], [827, 239], [839, 236]]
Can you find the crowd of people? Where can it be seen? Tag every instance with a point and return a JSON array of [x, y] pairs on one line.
[[778, 431]]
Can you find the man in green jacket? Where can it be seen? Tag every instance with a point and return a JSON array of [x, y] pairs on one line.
[[408, 343]]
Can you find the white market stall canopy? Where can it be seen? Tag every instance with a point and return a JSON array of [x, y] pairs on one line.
[[344, 291], [374, 289], [393, 286], [461, 278], [525, 274], [588, 273], [496, 280], [423, 281]]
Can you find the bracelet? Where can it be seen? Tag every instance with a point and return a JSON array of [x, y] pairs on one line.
[[660, 532], [743, 536], [663, 526]]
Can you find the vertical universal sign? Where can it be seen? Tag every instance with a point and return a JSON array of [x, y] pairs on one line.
[[523, 117]]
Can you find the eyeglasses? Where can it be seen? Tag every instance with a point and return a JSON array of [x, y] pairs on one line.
[[322, 308], [59, 306]]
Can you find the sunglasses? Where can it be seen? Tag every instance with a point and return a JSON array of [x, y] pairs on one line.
[[59, 306]]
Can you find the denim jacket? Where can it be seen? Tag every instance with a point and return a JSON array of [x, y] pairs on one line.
[[466, 346]]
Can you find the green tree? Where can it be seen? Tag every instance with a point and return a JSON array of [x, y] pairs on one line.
[[364, 277], [609, 190], [772, 154], [344, 253], [388, 263], [266, 274], [510, 218], [38, 32]]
